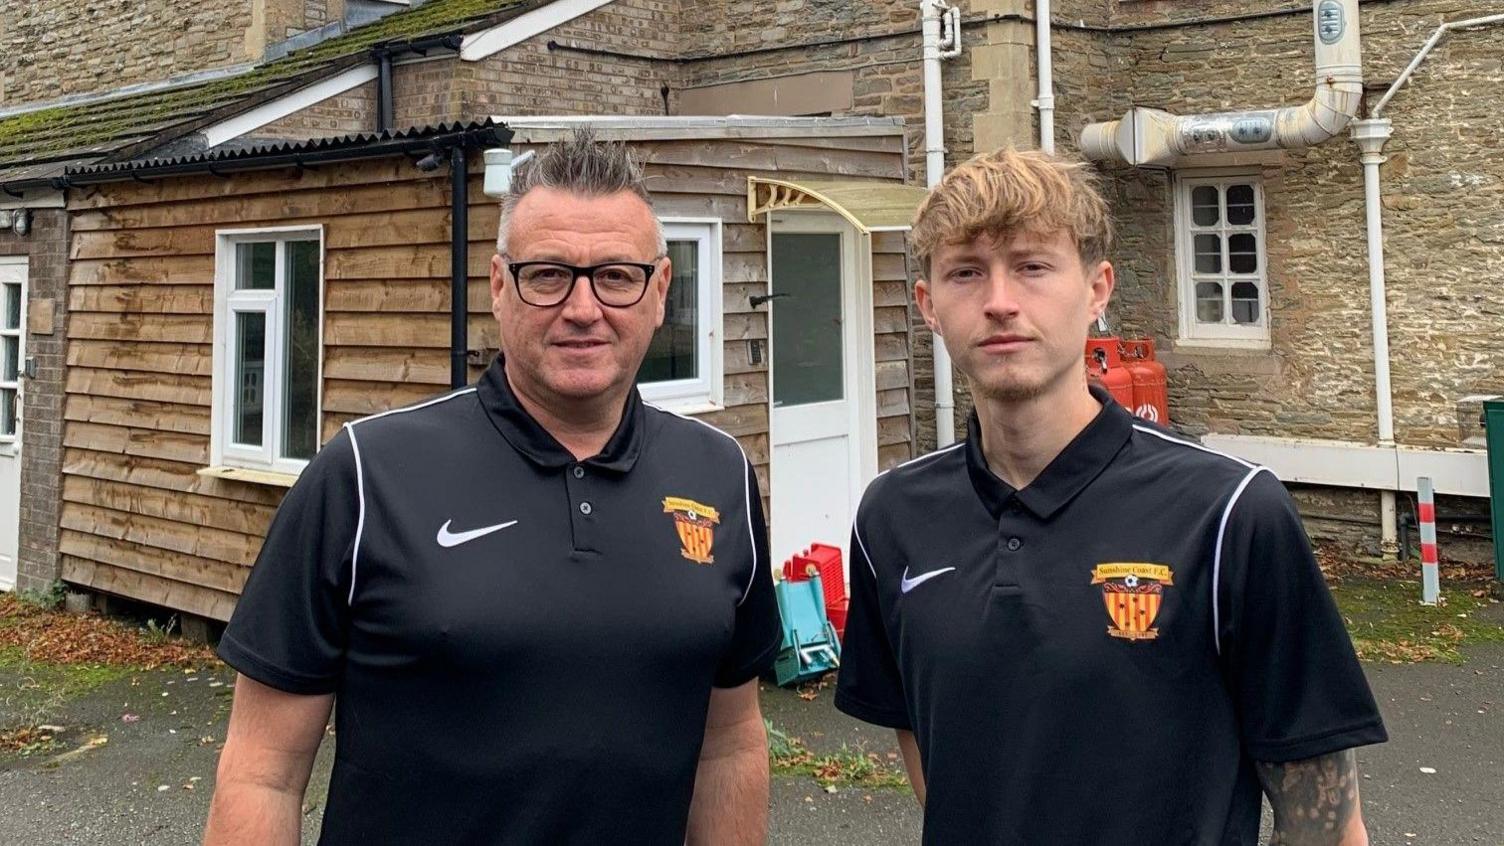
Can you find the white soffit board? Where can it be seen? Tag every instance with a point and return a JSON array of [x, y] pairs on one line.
[[487, 42], [1353, 465], [281, 107]]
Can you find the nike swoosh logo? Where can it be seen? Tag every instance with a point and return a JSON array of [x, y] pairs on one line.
[[907, 584], [447, 538]]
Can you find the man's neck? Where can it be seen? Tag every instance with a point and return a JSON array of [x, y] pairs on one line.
[[583, 427], [1021, 438]]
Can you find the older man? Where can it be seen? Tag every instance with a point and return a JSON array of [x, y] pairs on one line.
[[539, 605]]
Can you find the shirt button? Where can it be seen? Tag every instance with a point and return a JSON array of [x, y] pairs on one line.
[[579, 472], [1014, 544], [586, 509]]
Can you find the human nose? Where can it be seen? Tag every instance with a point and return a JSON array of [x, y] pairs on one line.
[[581, 306], [1001, 301]]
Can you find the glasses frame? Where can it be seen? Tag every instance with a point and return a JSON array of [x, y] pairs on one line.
[[588, 272]]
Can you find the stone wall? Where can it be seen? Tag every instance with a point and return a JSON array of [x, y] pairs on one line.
[[1443, 219], [54, 48]]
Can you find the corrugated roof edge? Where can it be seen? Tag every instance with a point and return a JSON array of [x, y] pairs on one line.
[[363, 145]]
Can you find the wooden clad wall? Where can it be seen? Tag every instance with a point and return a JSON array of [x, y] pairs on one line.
[[137, 520]]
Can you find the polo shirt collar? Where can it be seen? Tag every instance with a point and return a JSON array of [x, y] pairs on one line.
[[1082, 460], [528, 437]]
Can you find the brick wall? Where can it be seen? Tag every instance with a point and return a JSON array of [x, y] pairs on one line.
[[42, 410], [532, 79]]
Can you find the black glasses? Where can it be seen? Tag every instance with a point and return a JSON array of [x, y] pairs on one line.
[[545, 284]]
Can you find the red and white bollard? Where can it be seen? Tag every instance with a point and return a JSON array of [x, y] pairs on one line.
[[1430, 579]]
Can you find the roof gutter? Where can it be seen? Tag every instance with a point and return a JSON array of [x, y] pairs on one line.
[[1154, 138], [128, 171]]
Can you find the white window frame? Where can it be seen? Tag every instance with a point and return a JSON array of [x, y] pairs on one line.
[[19, 277], [1192, 331], [228, 303], [706, 392]]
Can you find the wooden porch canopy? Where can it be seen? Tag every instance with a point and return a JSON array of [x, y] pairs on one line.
[[869, 206]]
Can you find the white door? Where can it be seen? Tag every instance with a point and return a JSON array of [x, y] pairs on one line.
[[823, 419], [12, 356]]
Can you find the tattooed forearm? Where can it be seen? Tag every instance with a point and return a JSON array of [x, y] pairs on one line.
[[1315, 801]]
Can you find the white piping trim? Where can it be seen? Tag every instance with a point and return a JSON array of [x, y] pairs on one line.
[[857, 533], [926, 457], [1162, 436], [360, 479], [746, 489], [360, 522], [487, 42], [283, 106], [1217, 557]]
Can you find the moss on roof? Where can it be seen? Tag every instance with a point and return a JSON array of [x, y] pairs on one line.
[[94, 129]]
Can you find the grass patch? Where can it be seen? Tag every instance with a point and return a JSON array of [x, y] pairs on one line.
[[49, 658], [788, 756], [1388, 623]]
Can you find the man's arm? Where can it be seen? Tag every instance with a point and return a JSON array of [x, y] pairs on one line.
[[730, 804], [265, 765], [908, 747], [1315, 801]]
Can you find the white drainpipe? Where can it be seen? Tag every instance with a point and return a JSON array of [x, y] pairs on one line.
[[1045, 73], [1370, 135], [1157, 138], [938, 45]]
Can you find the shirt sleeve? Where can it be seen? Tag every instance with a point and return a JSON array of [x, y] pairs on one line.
[[1299, 688], [868, 686], [759, 630], [288, 630]]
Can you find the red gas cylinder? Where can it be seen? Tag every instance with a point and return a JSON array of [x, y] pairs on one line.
[[1104, 365], [1151, 396]]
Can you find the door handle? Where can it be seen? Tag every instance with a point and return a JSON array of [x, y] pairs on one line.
[[758, 299]]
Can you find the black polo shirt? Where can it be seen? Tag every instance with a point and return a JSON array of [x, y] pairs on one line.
[[522, 646], [1100, 657]]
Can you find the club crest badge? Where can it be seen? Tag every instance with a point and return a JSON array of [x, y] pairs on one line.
[[1133, 594], [696, 526]]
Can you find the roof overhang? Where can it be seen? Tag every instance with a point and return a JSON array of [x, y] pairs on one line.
[[869, 206]]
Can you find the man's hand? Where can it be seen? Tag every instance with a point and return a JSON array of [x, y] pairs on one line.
[[265, 765], [908, 747], [1315, 801], [730, 806]]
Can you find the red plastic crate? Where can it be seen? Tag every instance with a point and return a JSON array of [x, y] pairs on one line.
[[837, 615], [826, 561]]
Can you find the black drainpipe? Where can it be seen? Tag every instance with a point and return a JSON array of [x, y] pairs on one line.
[[459, 264], [384, 107]]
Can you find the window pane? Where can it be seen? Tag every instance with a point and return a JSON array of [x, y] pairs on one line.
[[250, 367], [1209, 302], [1245, 303], [12, 358], [7, 411], [12, 307], [1208, 253], [300, 424], [1243, 253], [807, 348], [674, 351], [256, 266], [1204, 207], [1240, 210]]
